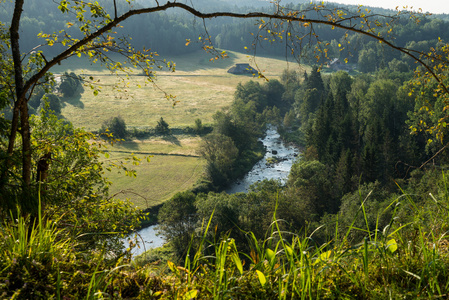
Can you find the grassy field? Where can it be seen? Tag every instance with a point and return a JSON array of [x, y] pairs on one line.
[[201, 88], [174, 167]]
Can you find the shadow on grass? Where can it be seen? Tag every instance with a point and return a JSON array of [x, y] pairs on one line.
[[130, 145], [204, 61], [189, 62], [75, 101], [172, 139]]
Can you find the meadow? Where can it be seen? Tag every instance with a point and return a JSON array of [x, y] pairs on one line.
[[173, 167], [200, 87]]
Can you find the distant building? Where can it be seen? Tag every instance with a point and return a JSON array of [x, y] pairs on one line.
[[240, 69], [337, 65]]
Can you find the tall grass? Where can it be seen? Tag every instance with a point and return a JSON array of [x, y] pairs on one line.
[[400, 261], [29, 249], [406, 259], [39, 260]]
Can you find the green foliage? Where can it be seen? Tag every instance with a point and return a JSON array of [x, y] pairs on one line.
[[355, 130], [367, 61], [177, 221], [398, 66], [376, 213], [71, 85], [74, 189], [220, 153], [274, 91], [311, 184], [35, 99], [53, 102], [252, 92], [116, 126], [73, 161], [290, 81], [222, 211], [258, 206], [289, 118], [309, 96], [198, 126], [162, 127], [381, 246], [69, 180], [272, 115], [40, 260], [397, 260]]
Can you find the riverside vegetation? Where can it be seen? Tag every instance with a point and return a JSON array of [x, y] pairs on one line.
[[363, 215], [273, 242]]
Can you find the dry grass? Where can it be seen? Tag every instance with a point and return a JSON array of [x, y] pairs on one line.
[[161, 145], [201, 88]]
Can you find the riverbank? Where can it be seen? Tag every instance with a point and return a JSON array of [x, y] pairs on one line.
[[275, 164], [274, 147]]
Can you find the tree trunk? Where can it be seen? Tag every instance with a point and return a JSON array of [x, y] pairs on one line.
[[21, 103]]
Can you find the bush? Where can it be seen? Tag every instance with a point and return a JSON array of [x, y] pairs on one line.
[[53, 101], [177, 220], [198, 126], [116, 126], [162, 127], [70, 85]]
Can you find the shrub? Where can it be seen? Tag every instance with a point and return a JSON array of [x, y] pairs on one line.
[[162, 127], [70, 85], [198, 126], [116, 126], [53, 101]]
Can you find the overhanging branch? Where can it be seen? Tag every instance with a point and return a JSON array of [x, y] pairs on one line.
[[252, 15]]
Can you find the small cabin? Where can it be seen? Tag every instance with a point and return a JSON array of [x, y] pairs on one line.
[[240, 69], [337, 65]]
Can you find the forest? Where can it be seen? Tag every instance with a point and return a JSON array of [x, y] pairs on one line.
[[362, 215]]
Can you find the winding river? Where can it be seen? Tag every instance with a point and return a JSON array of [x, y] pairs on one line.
[[285, 155]]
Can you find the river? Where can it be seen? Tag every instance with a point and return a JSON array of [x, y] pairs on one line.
[[275, 148]]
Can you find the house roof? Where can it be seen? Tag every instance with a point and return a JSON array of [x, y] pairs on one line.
[[242, 68]]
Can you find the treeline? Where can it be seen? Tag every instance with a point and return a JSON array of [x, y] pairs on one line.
[[334, 43], [167, 32], [357, 135], [356, 132], [116, 127]]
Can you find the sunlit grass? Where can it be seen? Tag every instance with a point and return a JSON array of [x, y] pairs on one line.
[[157, 180], [200, 87], [404, 260], [174, 166]]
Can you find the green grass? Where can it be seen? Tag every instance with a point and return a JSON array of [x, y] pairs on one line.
[[173, 167], [158, 180], [404, 260], [201, 88], [176, 145]]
